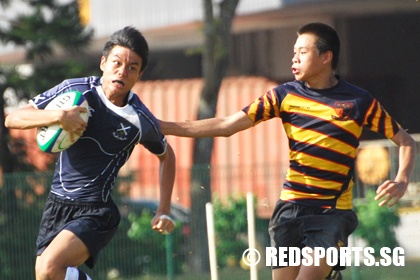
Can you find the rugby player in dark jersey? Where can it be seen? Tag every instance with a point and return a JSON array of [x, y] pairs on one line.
[[80, 217]]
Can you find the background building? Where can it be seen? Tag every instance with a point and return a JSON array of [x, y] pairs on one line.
[[380, 41]]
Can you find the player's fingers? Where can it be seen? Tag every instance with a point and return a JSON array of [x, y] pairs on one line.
[[385, 185], [165, 224], [385, 201], [383, 189], [82, 109], [391, 194]]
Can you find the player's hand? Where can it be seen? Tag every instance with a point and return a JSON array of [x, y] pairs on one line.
[[163, 224], [391, 192], [72, 122]]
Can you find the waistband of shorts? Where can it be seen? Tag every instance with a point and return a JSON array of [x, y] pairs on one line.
[[64, 201]]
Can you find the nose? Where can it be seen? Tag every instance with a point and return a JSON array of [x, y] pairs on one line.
[[295, 58], [122, 71]]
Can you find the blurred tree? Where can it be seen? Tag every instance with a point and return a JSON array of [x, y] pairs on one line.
[[377, 225], [48, 33], [217, 30]]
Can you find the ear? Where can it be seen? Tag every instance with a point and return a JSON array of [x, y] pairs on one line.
[[140, 74], [327, 57], [102, 63]]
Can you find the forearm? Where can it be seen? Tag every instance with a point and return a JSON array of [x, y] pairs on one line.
[[197, 129], [30, 117], [166, 180], [213, 127], [407, 154]]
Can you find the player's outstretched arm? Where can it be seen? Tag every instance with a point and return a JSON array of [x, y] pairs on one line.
[[392, 191], [213, 127]]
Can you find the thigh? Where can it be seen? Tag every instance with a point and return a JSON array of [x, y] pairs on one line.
[[92, 226], [314, 272], [65, 250], [285, 273], [329, 229], [285, 226]]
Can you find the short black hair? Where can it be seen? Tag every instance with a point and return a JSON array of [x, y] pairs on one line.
[[327, 39], [129, 37]]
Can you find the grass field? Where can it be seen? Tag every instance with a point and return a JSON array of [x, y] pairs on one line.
[[410, 271]]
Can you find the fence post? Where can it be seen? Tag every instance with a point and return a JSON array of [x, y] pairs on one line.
[[169, 259]]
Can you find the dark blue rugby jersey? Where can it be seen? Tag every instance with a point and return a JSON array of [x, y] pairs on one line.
[[323, 128], [88, 169]]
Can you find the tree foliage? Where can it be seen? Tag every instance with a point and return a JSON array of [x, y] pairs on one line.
[[47, 28], [48, 33]]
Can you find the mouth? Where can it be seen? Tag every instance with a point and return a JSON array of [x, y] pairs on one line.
[[118, 82], [295, 71]]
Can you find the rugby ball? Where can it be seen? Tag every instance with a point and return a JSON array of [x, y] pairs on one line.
[[54, 139]]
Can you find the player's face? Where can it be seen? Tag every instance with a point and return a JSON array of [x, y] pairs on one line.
[[121, 70], [307, 63]]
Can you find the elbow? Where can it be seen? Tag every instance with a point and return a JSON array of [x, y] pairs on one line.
[[227, 133], [13, 122], [410, 142], [8, 122], [413, 146]]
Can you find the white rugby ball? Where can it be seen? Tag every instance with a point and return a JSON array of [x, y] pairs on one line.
[[54, 139]]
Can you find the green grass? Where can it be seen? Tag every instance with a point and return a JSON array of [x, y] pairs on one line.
[[408, 272], [227, 273]]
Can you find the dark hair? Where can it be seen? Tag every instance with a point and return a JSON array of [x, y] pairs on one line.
[[327, 39], [130, 38]]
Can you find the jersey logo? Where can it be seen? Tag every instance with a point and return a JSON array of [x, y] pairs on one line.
[[39, 98], [343, 110], [122, 132]]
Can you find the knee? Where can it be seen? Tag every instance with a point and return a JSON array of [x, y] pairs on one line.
[[47, 269]]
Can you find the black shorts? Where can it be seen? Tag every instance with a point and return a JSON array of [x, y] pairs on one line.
[[295, 225], [95, 223]]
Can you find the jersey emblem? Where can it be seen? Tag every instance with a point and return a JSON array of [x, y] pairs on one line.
[[343, 110], [122, 132], [39, 98]]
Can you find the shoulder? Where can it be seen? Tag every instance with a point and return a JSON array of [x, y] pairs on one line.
[[294, 87], [82, 84], [343, 84], [75, 84], [141, 109]]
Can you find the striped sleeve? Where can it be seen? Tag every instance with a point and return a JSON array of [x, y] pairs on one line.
[[378, 120], [264, 107]]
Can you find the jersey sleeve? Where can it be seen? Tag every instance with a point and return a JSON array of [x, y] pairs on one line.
[[264, 108], [378, 120], [80, 84], [152, 138]]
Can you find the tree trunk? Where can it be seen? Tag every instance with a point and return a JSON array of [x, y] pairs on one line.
[[215, 63]]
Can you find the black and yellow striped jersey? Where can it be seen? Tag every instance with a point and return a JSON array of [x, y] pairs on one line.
[[323, 128]]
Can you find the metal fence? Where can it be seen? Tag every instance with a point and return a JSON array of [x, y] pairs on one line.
[[22, 198]]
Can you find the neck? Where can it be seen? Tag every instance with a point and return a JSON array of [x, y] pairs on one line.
[[119, 101], [329, 82]]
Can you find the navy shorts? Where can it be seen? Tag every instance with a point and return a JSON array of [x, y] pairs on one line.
[[95, 223], [295, 225]]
